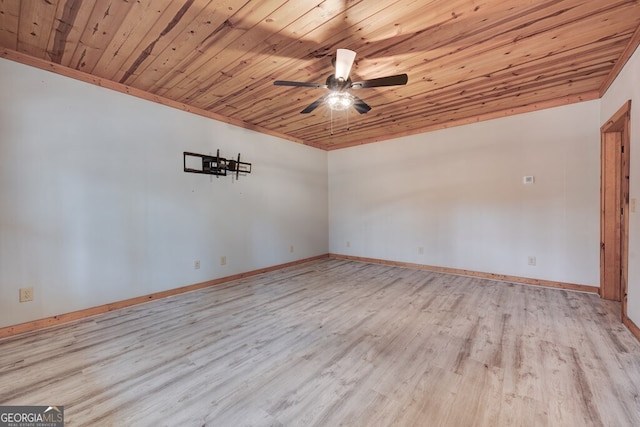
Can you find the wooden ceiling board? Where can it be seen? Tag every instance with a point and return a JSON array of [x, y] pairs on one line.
[[544, 54], [100, 30], [145, 20], [447, 68], [69, 24], [289, 69], [221, 50], [9, 19], [466, 59], [34, 27], [181, 54], [273, 57], [276, 54], [183, 45]]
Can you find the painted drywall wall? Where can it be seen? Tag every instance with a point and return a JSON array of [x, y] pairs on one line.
[[455, 198], [627, 87], [95, 206]]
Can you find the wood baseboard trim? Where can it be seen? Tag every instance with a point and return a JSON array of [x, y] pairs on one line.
[[492, 276], [635, 330], [48, 322]]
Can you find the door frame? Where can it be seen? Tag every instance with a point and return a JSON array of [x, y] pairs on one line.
[[615, 139]]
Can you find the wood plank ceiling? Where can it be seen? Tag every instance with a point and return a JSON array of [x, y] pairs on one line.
[[466, 59]]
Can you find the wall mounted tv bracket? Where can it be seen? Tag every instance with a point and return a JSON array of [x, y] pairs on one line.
[[214, 165]]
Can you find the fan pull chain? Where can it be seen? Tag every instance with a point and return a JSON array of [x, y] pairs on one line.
[[347, 112], [331, 123], [348, 127]]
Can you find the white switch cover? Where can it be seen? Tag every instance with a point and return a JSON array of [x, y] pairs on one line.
[[632, 205], [528, 180]]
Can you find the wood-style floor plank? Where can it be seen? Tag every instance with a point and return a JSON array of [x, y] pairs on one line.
[[335, 342]]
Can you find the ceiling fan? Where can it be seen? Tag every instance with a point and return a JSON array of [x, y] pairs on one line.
[[339, 84]]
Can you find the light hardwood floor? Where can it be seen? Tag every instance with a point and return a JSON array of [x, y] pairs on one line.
[[335, 342]]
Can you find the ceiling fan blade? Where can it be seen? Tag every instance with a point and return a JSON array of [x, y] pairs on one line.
[[298, 84], [344, 62], [400, 79], [360, 106], [313, 105]]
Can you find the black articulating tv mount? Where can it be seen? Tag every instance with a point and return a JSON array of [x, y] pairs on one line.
[[215, 165]]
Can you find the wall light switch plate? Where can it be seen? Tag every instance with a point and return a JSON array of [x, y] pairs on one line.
[[26, 294], [528, 180], [632, 205]]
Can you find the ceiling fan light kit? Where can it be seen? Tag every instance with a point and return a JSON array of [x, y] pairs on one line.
[[338, 101]]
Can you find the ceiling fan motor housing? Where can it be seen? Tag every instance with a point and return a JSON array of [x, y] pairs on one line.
[[338, 84]]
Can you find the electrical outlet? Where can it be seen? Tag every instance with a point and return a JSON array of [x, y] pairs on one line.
[[348, 244], [223, 260], [531, 260], [196, 264], [291, 248], [420, 250], [26, 294]]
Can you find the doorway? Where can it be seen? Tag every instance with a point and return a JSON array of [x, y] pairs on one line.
[[614, 207]]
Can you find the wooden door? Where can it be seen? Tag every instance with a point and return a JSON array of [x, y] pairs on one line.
[[614, 206]]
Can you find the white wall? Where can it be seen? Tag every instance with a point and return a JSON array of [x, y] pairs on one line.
[[95, 207], [459, 194], [626, 87]]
